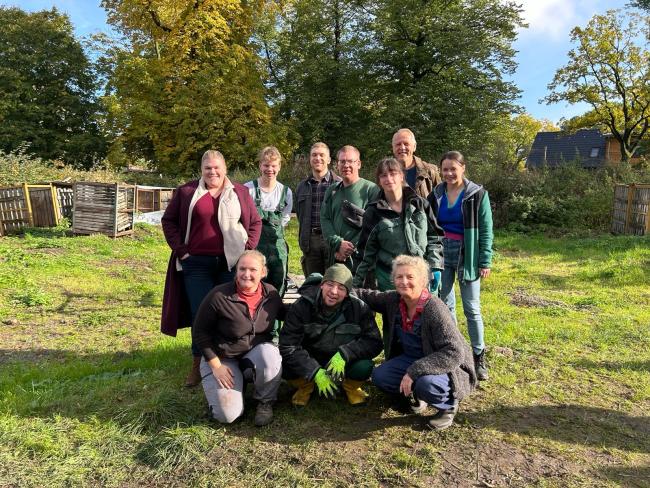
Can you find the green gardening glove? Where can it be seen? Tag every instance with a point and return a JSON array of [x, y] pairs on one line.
[[326, 387], [336, 367]]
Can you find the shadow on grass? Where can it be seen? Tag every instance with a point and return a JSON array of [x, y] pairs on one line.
[[626, 476], [574, 424], [142, 391], [614, 365], [590, 427]]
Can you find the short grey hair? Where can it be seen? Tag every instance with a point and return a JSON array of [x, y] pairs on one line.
[[420, 266], [406, 131], [212, 154]]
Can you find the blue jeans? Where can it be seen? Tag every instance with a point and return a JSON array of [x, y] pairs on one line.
[[433, 389], [470, 293], [200, 275]]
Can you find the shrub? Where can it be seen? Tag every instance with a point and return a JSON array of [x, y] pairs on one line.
[[19, 167], [561, 200]]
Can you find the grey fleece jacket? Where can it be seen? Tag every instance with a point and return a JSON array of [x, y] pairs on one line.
[[445, 348]]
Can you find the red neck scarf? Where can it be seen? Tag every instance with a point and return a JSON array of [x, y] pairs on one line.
[[252, 298], [407, 324]]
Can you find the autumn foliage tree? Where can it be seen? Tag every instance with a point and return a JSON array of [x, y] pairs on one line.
[[610, 70], [190, 80]]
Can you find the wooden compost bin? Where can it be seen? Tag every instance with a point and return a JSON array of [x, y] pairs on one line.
[[152, 198], [65, 198], [630, 213], [103, 208], [28, 205]]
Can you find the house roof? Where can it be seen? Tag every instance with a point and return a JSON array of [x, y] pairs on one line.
[[556, 148]]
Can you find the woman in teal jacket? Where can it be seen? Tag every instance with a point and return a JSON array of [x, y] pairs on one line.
[[463, 210]]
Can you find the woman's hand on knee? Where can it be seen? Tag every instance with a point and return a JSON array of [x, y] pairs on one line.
[[406, 385], [224, 376]]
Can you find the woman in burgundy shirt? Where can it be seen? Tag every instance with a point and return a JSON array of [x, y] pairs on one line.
[[208, 224]]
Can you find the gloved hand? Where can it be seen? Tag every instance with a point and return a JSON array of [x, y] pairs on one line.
[[326, 387], [336, 367], [434, 284]]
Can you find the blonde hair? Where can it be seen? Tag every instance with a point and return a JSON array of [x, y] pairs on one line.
[[417, 263], [269, 152], [212, 154], [253, 253]]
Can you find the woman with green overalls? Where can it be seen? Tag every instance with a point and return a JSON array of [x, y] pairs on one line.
[[274, 202]]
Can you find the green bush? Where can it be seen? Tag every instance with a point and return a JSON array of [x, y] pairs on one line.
[[557, 200], [19, 167]]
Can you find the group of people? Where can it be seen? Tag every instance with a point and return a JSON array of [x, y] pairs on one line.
[[393, 247]]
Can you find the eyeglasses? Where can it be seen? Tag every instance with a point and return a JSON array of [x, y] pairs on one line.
[[347, 162]]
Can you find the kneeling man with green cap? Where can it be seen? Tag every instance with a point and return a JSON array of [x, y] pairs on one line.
[[329, 336]]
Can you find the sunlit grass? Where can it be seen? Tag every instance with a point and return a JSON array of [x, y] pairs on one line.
[[91, 395]]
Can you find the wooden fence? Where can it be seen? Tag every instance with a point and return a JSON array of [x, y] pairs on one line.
[[152, 199], [65, 199], [630, 213], [103, 208], [28, 205]]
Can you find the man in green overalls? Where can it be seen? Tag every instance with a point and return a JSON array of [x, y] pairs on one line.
[[273, 201]]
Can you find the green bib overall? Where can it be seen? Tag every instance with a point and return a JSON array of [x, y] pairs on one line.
[[272, 243]]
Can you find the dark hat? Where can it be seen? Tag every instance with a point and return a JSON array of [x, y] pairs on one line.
[[339, 273]]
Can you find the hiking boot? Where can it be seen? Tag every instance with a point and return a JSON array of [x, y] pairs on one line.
[[194, 376], [264, 413], [418, 406], [443, 419], [353, 391], [303, 392], [480, 366]]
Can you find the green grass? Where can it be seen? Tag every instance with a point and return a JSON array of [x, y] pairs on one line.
[[91, 395]]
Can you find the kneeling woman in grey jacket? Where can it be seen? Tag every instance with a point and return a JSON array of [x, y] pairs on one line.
[[234, 329], [427, 358]]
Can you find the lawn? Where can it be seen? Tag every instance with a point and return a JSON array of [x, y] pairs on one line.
[[91, 395]]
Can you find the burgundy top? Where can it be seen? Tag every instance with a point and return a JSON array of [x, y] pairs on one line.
[[175, 309], [206, 238]]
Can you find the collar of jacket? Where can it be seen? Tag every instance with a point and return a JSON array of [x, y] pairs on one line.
[[470, 189], [408, 194], [419, 164], [231, 291]]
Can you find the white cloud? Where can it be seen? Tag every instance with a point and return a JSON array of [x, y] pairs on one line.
[[549, 18], [554, 19]]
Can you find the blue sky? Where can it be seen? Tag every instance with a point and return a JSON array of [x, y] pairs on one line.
[[542, 47]]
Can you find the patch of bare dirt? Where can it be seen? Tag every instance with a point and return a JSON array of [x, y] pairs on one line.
[[521, 298], [498, 463]]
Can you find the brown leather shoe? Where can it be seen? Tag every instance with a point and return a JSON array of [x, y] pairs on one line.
[[194, 378]]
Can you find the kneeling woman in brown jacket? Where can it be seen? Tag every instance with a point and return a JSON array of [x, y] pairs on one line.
[[427, 358], [234, 330]]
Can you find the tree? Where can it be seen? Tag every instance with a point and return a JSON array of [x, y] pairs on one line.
[[643, 4], [439, 67], [610, 70], [47, 89], [509, 142], [316, 78], [354, 71], [189, 80]]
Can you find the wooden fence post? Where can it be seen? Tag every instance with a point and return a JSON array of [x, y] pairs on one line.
[[29, 204]]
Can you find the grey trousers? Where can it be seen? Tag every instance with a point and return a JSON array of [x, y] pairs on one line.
[[226, 404]]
